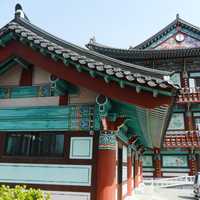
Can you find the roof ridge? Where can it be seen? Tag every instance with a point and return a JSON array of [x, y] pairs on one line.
[[93, 45]]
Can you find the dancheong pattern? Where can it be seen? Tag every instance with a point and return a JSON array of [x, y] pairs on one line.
[[171, 43], [107, 141]]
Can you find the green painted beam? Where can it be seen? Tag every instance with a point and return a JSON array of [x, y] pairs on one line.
[[6, 67], [5, 39], [21, 63]]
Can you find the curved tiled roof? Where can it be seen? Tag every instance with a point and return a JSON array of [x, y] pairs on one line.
[[91, 60], [145, 51], [141, 54]]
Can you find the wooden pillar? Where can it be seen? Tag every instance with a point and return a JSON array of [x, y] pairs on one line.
[[26, 76], [192, 164], [189, 121], [106, 167], [129, 173], [63, 100], [157, 163], [197, 156], [184, 77], [136, 170], [141, 170]]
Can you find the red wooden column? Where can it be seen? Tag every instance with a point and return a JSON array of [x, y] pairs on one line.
[[189, 121], [184, 80], [106, 167], [157, 163], [192, 164], [197, 156], [26, 76], [141, 169], [130, 173], [136, 170]]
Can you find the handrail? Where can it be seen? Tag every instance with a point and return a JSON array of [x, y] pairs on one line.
[[170, 182], [182, 139]]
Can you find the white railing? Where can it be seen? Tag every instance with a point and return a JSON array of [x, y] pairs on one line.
[[170, 182]]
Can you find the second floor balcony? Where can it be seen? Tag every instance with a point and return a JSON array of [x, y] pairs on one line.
[[188, 95], [182, 139]]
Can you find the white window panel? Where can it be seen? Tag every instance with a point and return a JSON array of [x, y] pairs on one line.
[[177, 122]]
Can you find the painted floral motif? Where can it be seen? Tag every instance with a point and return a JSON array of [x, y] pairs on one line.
[[78, 117], [171, 43]]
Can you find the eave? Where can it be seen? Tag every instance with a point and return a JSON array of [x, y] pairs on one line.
[[149, 54]]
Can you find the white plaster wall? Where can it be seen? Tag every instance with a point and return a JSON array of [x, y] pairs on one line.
[[40, 76], [53, 174], [25, 102], [85, 96], [124, 175], [125, 153], [124, 189], [174, 174], [70, 196], [147, 173], [11, 77]]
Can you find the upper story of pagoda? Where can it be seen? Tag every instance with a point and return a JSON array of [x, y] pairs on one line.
[[177, 40], [175, 48]]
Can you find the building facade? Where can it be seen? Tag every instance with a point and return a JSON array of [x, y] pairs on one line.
[[73, 120], [176, 48]]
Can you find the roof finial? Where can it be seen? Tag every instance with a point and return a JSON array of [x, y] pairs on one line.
[[19, 12], [177, 16], [92, 40]]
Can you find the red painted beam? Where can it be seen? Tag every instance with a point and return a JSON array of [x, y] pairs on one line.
[[97, 84]]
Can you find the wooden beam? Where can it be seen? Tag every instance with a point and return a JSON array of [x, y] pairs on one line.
[[26, 77]]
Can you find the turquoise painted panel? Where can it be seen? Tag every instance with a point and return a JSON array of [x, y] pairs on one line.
[[147, 161], [176, 122], [176, 79], [25, 92], [49, 118], [81, 147], [79, 175], [174, 161], [20, 92]]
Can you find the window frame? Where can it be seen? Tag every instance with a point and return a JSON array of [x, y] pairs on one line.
[[5, 154]]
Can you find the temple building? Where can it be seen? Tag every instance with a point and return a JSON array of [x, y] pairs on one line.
[[176, 49], [74, 120]]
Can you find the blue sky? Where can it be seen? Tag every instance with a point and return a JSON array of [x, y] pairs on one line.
[[118, 23]]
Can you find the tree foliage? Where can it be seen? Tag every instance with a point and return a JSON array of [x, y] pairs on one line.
[[21, 193]]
